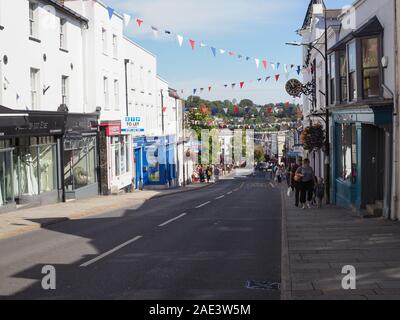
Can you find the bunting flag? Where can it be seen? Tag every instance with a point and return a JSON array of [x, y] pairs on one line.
[[225, 85], [192, 43], [298, 70], [222, 51], [259, 79], [241, 85], [155, 31], [139, 22], [270, 110], [267, 78], [214, 51], [285, 67], [194, 91], [226, 110], [110, 12], [168, 32], [202, 45], [265, 64], [201, 89], [257, 62], [180, 40], [236, 109], [231, 53], [164, 109], [277, 77], [273, 66], [277, 66], [127, 19], [258, 109], [209, 89]]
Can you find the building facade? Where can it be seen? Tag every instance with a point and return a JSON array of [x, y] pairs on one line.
[[362, 82], [43, 93]]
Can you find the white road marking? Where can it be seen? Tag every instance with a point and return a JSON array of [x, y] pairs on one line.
[[236, 190], [202, 205], [86, 264], [220, 197], [230, 192], [172, 220], [272, 185]]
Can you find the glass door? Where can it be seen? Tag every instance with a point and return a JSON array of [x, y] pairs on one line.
[[6, 178]]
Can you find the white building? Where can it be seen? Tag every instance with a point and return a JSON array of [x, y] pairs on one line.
[[41, 77]]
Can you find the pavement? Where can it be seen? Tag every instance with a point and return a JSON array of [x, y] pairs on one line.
[[25, 220], [318, 243], [222, 242]]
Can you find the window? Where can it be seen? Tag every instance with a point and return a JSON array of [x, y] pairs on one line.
[[115, 46], [347, 165], [65, 90], [104, 40], [343, 76], [34, 89], [33, 23], [332, 71], [105, 92], [116, 94], [352, 68], [370, 67], [120, 152], [63, 33]]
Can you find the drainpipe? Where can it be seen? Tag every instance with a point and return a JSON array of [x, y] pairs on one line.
[[395, 214], [126, 87]]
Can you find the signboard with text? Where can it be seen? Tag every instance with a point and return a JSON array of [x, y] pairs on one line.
[[131, 125]]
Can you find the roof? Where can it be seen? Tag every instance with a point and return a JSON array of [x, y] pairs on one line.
[[60, 6], [307, 19]]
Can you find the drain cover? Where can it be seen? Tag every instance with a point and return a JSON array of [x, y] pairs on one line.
[[263, 285]]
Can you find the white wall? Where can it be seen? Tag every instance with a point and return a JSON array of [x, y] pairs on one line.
[[24, 54], [142, 86]]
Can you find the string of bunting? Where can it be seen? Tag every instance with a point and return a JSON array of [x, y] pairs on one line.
[[275, 66]]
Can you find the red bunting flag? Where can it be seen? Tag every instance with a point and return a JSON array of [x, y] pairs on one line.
[[236, 109], [139, 22], [287, 104], [231, 53], [277, 77], [192, 43], [209, 88], [242, 85], [269, 110], [164, 109], [265, 64]]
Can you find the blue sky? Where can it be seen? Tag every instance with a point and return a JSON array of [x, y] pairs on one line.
[[255, 28]]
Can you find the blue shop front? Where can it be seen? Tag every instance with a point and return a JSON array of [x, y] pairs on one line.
[[361, 158], [155, 162]]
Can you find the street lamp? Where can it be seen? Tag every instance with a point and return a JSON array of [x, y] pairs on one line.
[[311, 46]]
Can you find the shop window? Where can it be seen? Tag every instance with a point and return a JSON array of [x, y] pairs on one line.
[[343, 76], [370, 67], [79, 163], [6, 178], [120, 149], [347, 166], [47, 168], [352, 68]]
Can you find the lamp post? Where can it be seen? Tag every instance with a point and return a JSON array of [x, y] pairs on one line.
[[312, 46]]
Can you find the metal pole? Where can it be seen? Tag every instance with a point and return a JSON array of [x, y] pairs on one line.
[[327, 142], [183, 145]]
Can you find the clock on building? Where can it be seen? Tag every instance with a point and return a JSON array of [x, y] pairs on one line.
[[294, 87]]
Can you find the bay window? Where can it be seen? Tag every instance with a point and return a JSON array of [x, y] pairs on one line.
[[370, 67], [352, 68], [343, 76]]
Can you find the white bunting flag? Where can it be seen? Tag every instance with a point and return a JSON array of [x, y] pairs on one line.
[[180, 40], [226, 110], [222, 51], [155, 32], [202, 45], [127, 19], [257, 62], [286, 68], [273, 66]]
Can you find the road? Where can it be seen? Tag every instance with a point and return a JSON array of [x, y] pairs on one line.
[[204, 244]]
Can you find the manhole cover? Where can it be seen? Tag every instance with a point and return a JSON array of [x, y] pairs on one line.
[[263, 285]]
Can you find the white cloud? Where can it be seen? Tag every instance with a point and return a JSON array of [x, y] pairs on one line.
[[211, 17]]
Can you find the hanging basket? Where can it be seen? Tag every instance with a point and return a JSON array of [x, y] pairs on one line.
[[313, 138]]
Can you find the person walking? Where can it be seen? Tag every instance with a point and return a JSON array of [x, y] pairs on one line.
[[216, 174], [306, 176], [295, 181]]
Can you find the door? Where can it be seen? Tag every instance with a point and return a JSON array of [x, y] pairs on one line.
[[373, 164], [6, 178], [138, 168]]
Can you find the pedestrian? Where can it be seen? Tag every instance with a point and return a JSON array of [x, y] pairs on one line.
[[295, 181], [201, 174], [209, 174], [216, 174], [306, 176], [320, 192]]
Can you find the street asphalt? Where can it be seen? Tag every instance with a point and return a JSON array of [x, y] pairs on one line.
[[208, 244]]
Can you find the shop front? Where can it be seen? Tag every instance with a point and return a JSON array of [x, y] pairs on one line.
[[155, 162], [362, 154], [116, 159], [81, 156], [30, 145]]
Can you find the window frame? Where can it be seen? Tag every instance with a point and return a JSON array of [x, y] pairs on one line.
[[377, 67], [115, 46], [35, 88], [104, 40], [116, 95], [106, 93], [33, 19], [352, 72], [65, 90], [343, 77], [332, 78], [63, 34]]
